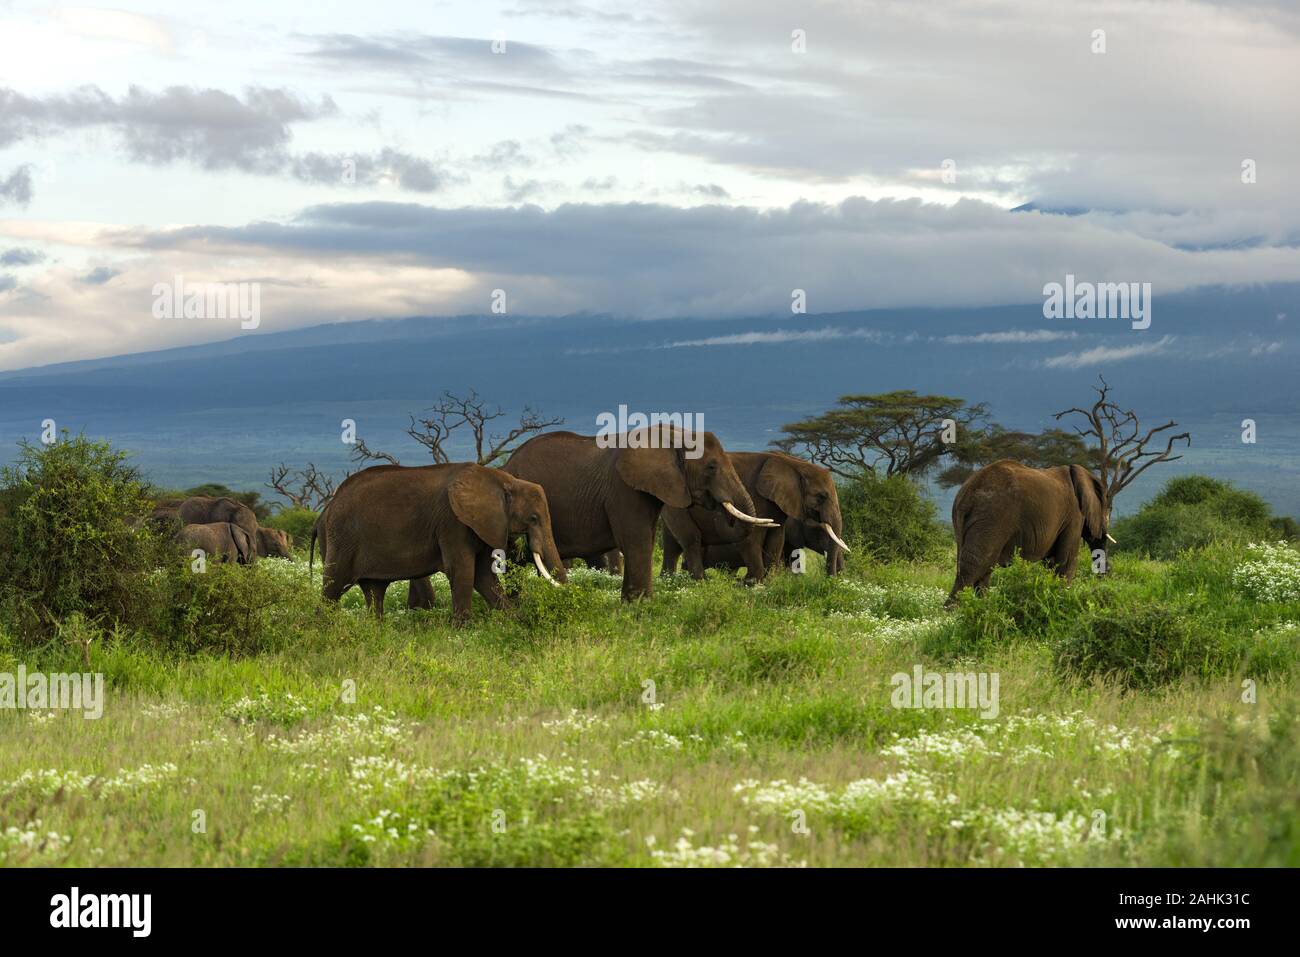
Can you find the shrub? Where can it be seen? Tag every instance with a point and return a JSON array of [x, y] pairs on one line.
[[1194, 511], [891, 519], [73, 532], [1141, 646], [298, 522], [227, 608], [1271, 574]]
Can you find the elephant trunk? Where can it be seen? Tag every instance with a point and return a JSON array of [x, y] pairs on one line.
[[546, 555]]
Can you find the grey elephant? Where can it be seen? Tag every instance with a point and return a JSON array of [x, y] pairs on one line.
[[798, 534], [220, 541], [273, 543], [607, 493], [782, 488], [1042, 514], [810, 535], [202, 509], [391, 522]]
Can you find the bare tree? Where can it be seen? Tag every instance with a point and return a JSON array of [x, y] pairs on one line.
[[1122, 445], [307, 488], [473, 414]]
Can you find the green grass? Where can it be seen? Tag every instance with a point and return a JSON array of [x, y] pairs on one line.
[[715, 723]]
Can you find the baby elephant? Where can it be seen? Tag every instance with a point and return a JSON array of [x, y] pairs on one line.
[[392, 522], [220, 541], [273, 543]]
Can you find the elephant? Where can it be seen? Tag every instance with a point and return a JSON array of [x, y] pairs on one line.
[[607, 492], [202, 509], [390, 522], [783, 488], [420, 594], [610, 561], [166, 517], [810, 535], [273, 543], [222, 541], [1007, 507]]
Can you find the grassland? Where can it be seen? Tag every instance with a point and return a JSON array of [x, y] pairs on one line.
[[712, 725]]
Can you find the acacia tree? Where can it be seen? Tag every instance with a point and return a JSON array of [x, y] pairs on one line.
[[1121, 445], [472, 414], [901, 432]]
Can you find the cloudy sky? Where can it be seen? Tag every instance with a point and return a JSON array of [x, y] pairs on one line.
[[647, 159]]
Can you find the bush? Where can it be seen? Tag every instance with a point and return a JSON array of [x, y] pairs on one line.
[[1025, 601], [1271, 574], [73, 532], [1194, 511], [1140, 646], [891, 519], [229, 609], [298, 522]]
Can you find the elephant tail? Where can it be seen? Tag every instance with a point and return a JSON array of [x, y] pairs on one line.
[[311, 553]]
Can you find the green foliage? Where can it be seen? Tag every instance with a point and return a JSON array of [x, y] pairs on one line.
[[977, 448], [1139, 646], [900, 432], [73, 535], [1193, 511], [298, 522], [227, 608], [891, 519]]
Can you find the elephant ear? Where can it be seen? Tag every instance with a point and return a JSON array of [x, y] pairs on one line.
[[479, 501], [657, 472], [244, 545], [780, 482], [1087, 489]]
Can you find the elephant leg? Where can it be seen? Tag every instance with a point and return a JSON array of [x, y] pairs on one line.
[[672, 552], [420, 594], [460, 571], [751, 553], [638, 546], [1064, 557], [773, 546], [374, 591], [487, 584]]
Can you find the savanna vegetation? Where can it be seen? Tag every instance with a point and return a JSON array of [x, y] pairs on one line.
[[1145, 717]]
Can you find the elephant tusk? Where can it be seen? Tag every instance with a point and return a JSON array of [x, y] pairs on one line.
[[737, 513], [1110, 538], [838, 541], [537, 560]]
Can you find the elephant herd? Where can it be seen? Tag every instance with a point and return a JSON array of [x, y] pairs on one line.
[[224, 529], [573, 496], [570, 496]]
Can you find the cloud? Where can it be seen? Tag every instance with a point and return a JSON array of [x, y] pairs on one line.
[[653, 260], [99, 276], [1102, 354], [760, 337], [21, 257], [209, 128], [411, 173], [17, 188], [7, 283], [1010, 336]]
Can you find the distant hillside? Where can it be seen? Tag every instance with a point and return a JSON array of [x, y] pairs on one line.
[[227, 411]]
